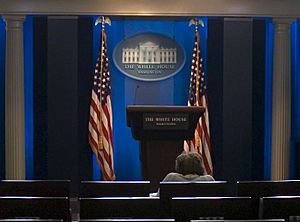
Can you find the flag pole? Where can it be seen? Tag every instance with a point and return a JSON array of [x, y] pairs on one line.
[[197, 97], [100, 91], [197, 139], [196, 22], [102, 20], [197, 61], [100, 121]]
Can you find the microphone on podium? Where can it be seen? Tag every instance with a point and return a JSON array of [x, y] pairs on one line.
[[135, 94]]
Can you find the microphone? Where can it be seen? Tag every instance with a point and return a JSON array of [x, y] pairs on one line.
[[135, 94]]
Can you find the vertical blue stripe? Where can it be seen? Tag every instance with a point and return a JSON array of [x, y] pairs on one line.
[[268, 98], [28, 86], [2, 96], [293, 95], [295, 78]]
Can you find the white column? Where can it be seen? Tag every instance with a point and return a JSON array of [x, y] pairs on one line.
[[281, 99], [14, 99]]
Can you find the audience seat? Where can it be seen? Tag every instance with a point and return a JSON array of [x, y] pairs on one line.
[[287, 207], [30, 220], [265, 188], [34, 207], [127, 220], [115, 188], [258, 220], [119, 207], [35, 188], [191, 208], [167, 190], [193, 189], [258, 189]]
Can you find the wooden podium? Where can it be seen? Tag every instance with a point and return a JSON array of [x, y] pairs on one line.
[[161, 131]]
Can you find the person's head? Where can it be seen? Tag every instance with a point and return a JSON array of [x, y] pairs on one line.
[[189, 163]]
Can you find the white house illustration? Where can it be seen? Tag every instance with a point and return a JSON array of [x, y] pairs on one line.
[[149, 53]]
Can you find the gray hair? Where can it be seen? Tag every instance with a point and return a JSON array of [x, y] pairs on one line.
[[189, 163]]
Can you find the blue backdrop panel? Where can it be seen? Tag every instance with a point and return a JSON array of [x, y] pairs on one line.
[[2, 93], [28, 82], [96, 46], [127, 91], [295, 38], [295, 133]]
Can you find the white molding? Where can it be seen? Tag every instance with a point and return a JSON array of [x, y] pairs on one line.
[[241, 8]]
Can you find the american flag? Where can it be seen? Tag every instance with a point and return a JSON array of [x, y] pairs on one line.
[[100, 117], [198, 97]]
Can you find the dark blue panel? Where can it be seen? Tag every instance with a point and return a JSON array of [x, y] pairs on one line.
[[2, 93], [85, 74], [215, 91], [258, 100], [62, 97], [28, 85], [237, 99], [40, 98]]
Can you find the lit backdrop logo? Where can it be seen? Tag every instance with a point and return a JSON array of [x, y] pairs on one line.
[[149, 57]]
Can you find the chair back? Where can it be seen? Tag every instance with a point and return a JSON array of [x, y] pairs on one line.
[[35, 188], [119, 207], [114, 188], [34, 207], [191, 208]]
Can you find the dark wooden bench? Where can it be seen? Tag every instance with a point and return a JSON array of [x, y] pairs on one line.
[[34, 207], [268, 188], [120, 207], [258, 220], [30, 220], [167, 190], [191, 208], [258, 189], [193, 189], [127, 220], [285, 207], [35, 188], [115, 188]]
